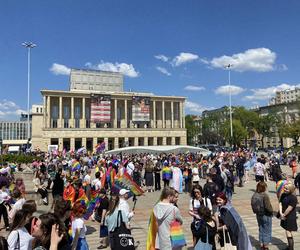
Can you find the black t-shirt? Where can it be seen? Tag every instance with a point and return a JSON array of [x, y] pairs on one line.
[[103, 206], [289, 200]]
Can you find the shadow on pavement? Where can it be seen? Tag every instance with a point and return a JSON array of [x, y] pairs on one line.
[[90, 230], [276, 242]]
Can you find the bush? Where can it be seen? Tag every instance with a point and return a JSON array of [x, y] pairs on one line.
[[22, 158]]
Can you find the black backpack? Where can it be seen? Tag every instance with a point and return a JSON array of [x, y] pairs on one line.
[[257, 204]]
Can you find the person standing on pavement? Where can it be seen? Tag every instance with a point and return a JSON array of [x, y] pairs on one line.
[[195, 175], [157, 170], [287, 211], [259, 170], [293, 166], [4, 197], [240, 168], [165, 212], [123, 204], [262, 207], [101, 213]]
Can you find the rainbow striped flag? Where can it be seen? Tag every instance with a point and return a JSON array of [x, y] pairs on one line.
[[125, 181], [75, 166], [166, 173], [152, 231], [279, 187]]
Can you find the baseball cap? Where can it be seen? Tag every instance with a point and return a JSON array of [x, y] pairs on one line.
[[123, 191]]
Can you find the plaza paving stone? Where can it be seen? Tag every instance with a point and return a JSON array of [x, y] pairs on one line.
[[144, 206]]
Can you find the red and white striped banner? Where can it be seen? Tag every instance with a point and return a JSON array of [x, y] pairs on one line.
[[100, 108]]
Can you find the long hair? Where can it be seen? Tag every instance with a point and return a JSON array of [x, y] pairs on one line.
[[20, 219], [113, 203], [47, 221]]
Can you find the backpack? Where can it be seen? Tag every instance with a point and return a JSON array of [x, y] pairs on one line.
[[257, 204], [230, 179]]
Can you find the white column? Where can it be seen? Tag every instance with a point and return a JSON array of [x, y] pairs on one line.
[[83, 123], [44, 112], [48, 112], [173, 141], [183, 116], [116, 142], [180, 115], [83, 142], [60, 104], [145, 141], [72, 113], [164, 141], [116, 114], [60, 144], [72, 143], [106, 143], [125, 113], [136, 141], [172, 114], [154, 114], [163, 114], [94, 143]]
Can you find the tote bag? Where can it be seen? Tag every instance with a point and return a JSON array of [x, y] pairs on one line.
[[203, 245], [227, 245], [176, 234], [121, 237]]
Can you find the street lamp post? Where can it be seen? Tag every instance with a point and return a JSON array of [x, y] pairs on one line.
[[29, 46], [229, 66]]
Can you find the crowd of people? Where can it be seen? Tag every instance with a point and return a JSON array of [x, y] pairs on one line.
[[78, 195]]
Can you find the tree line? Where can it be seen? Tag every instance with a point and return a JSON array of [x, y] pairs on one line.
[[248, 127]]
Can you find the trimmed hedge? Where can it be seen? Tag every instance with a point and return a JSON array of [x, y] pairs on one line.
[[22, 158]]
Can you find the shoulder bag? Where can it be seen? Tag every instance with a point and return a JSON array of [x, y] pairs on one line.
[[227, 245], [176, 233], [121, 238], [203, 245]]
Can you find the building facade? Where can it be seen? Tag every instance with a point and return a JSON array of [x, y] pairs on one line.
[[285, 96], [96, 110], [13, 132]]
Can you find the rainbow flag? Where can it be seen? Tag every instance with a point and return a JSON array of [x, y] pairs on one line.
[[75, 166], [166, 173], [152, 232], [69, 193], [125, 181], [110, 175], [279, 187]]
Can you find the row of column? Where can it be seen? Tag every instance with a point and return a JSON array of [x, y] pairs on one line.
[[116, 142], [47, 114]]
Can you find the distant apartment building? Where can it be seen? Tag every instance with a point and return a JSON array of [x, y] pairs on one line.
[[285, 96]]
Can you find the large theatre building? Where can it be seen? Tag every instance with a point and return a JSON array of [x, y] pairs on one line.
[[96, 110]]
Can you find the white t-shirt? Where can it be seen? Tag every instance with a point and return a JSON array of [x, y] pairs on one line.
[[25, 239], [16, 207], [87, 179], [195, 173], [78, 223], [97, 184], [197, 204]]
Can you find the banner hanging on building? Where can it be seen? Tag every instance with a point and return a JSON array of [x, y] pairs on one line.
[[100, 108], [140, 109]]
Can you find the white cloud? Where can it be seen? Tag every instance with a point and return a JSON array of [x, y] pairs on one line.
[[163, 70], [226, 89], [9, 108], [183, 58], [59, 69], [123, 68], [195, 107], [162, 58], [259, 59], [267, 93], [194, 88]]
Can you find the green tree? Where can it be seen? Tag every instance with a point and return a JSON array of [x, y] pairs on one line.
[[292, 130], [239, 132], [249, 120], [192, 129], [264, 126]]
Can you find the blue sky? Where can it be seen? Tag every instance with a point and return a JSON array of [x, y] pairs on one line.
[[164, 47]]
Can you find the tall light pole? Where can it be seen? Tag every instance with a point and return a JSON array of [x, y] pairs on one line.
[[29, 46], [229, 66]]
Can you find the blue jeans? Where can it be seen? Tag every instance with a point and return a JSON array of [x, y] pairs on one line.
[[82, 244], [264, 228]]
